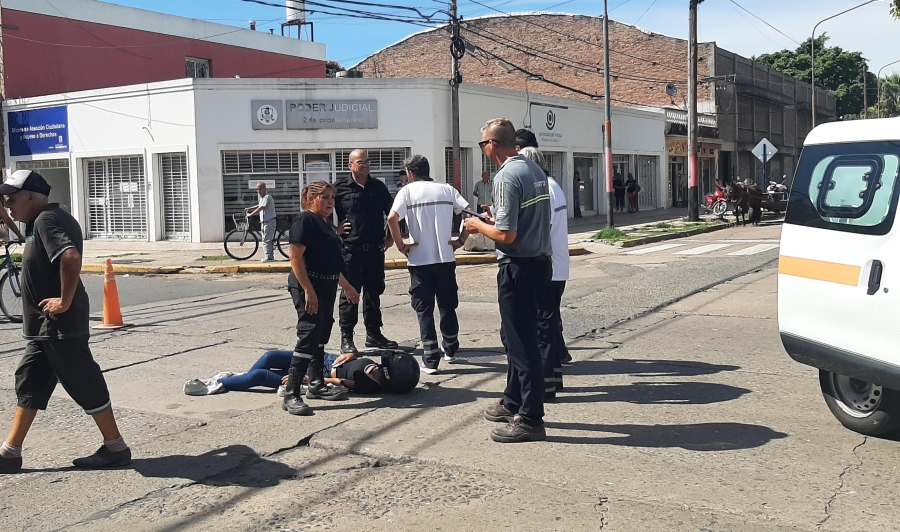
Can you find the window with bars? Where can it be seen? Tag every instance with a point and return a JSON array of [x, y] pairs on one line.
[[176, 196], [260, 162], [488, 165], [38, 165], [196, 68], [117, 197]]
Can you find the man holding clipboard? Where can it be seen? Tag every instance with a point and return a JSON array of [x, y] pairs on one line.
[[428, 208]]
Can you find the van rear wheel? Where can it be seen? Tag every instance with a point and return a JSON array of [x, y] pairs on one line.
[[861, 406]]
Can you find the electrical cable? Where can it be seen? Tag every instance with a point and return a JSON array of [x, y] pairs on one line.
[[766, 23], [653, 3], [523, 19]]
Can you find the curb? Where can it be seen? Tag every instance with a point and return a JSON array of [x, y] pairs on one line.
[[389, 264], [671, 236]]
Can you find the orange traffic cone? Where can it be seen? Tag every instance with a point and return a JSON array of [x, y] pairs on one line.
[[112, 314]]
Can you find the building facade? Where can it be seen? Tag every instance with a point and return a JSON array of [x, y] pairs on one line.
[[51, 47], [740, 101], [176, 159]]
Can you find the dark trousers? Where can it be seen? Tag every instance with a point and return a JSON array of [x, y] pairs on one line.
[[550, 339], [68, 362], [365, 271], [518, 286], [313, 330], [427, 284]]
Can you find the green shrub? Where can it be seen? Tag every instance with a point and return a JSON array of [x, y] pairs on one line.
[[610, 233]]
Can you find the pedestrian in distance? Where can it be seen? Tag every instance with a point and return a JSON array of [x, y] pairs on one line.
[[55, 311], [484, 192], [428, 209], [619, 192], [316, 271], [632, 189], [364, 203], [550, 338], [519, 222], [576, 194], [266, 210]]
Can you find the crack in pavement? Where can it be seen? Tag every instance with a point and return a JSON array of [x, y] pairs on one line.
[[840, 488], [132, 364]]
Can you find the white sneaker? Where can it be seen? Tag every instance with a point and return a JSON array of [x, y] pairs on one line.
[[223, 374], [282, 391], [266, 259], [452, 359], [427, 371]]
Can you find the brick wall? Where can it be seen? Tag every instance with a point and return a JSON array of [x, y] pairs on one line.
[[641, 62]]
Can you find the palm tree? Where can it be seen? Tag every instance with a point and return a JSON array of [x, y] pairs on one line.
[[889, 104]]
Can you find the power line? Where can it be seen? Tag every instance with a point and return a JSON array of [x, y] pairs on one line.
[[646, 11], [754, 26], [568, 36], [355, 13], [764, 22]]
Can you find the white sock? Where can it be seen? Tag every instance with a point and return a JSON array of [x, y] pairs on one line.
[[8, 451], [116, 445]]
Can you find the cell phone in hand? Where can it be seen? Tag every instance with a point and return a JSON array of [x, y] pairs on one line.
[[473, 213]]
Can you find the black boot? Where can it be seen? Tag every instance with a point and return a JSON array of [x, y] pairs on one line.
[[374, 338], [347, 345], [293, 400], [317, 388]]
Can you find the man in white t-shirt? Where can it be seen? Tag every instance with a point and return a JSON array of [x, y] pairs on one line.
[[550, 338], [428, 208]]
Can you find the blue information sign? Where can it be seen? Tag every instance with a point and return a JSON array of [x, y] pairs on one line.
[[39, 131]]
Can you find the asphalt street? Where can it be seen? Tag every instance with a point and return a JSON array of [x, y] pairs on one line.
[[682, 412]]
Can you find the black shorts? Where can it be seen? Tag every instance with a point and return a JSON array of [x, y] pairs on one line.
[[69, 362]]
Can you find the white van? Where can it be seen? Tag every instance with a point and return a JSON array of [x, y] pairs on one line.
[[838, 303]]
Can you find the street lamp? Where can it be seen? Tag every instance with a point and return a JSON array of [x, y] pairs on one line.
[[812, 54], [878, 80]]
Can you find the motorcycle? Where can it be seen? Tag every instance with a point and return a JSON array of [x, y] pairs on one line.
[[778, 191], [716, 202]]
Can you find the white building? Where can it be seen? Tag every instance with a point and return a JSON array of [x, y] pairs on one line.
[[175, 159]]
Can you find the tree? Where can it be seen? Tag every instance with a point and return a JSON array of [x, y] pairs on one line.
[[837, 70], [889, 105], [332, 67], [895, 8]]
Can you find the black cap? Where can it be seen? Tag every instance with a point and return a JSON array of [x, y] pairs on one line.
[[525, 139], [25, 180]]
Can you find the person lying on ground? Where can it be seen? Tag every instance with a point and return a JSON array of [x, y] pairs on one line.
[[395, 372]]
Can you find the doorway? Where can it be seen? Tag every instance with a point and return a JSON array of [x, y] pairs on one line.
[[587, 167], [678, 185]]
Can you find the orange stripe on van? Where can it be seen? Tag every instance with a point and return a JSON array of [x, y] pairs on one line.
[[830, 272]]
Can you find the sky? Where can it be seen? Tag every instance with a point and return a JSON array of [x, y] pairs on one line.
[[869, 29]]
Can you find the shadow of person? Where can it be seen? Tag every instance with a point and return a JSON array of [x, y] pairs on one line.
[[218, 468], [649, 393], [429, 395], [694, 437], [647, 368]]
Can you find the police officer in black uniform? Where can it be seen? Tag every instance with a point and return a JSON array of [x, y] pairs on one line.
[[364, 203]]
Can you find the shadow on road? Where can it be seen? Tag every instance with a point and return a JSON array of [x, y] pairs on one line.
[[216, 468], [651, 393], [696, 437], [647, 368]]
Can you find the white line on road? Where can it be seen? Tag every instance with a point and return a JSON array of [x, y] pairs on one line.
[[702, 249], [653, 249], [752, 250]]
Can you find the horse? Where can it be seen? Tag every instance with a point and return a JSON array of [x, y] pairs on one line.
[[745, 197]]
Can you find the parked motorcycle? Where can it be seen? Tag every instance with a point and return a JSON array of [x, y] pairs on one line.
[[778, 191], [716, 203]]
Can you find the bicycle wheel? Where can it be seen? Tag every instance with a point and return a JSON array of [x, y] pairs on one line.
[[283, 242], [238, 250], [11, 294]]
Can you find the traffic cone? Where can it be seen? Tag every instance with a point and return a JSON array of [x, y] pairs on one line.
[[112, 314]]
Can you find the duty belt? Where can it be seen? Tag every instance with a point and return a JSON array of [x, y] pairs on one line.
[[314, 275], [539, 258], [363, 247]]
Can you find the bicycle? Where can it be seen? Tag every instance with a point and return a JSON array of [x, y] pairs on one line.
[[10, 287], [242, 242]]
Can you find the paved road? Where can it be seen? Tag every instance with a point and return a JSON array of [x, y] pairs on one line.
[[681, 413]]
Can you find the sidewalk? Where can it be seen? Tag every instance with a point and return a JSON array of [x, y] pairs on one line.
[[167, 257]]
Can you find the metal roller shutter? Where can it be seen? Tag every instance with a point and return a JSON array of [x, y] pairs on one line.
[[176, 197], [647, 179], [117, 198]]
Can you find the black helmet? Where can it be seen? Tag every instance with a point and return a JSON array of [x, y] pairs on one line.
[[400, 369]]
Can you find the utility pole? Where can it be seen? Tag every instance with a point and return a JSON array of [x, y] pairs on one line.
[[456, 52], [607, 124], [2, 99], [693, 182], [865, 96]]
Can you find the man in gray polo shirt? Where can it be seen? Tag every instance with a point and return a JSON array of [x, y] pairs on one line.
[[519, 222], [266, 210]]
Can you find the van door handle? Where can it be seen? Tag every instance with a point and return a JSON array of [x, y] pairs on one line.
[[875, 277]]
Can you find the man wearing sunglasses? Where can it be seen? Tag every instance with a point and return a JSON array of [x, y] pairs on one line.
[[364, 203], [519, 222], [55, 324]]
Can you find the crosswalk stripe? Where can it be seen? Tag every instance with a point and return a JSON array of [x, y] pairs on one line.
[[653, 249], [702, 249], [752, 250]]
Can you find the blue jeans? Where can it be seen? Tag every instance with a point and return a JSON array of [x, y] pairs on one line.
[[266, 372]]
